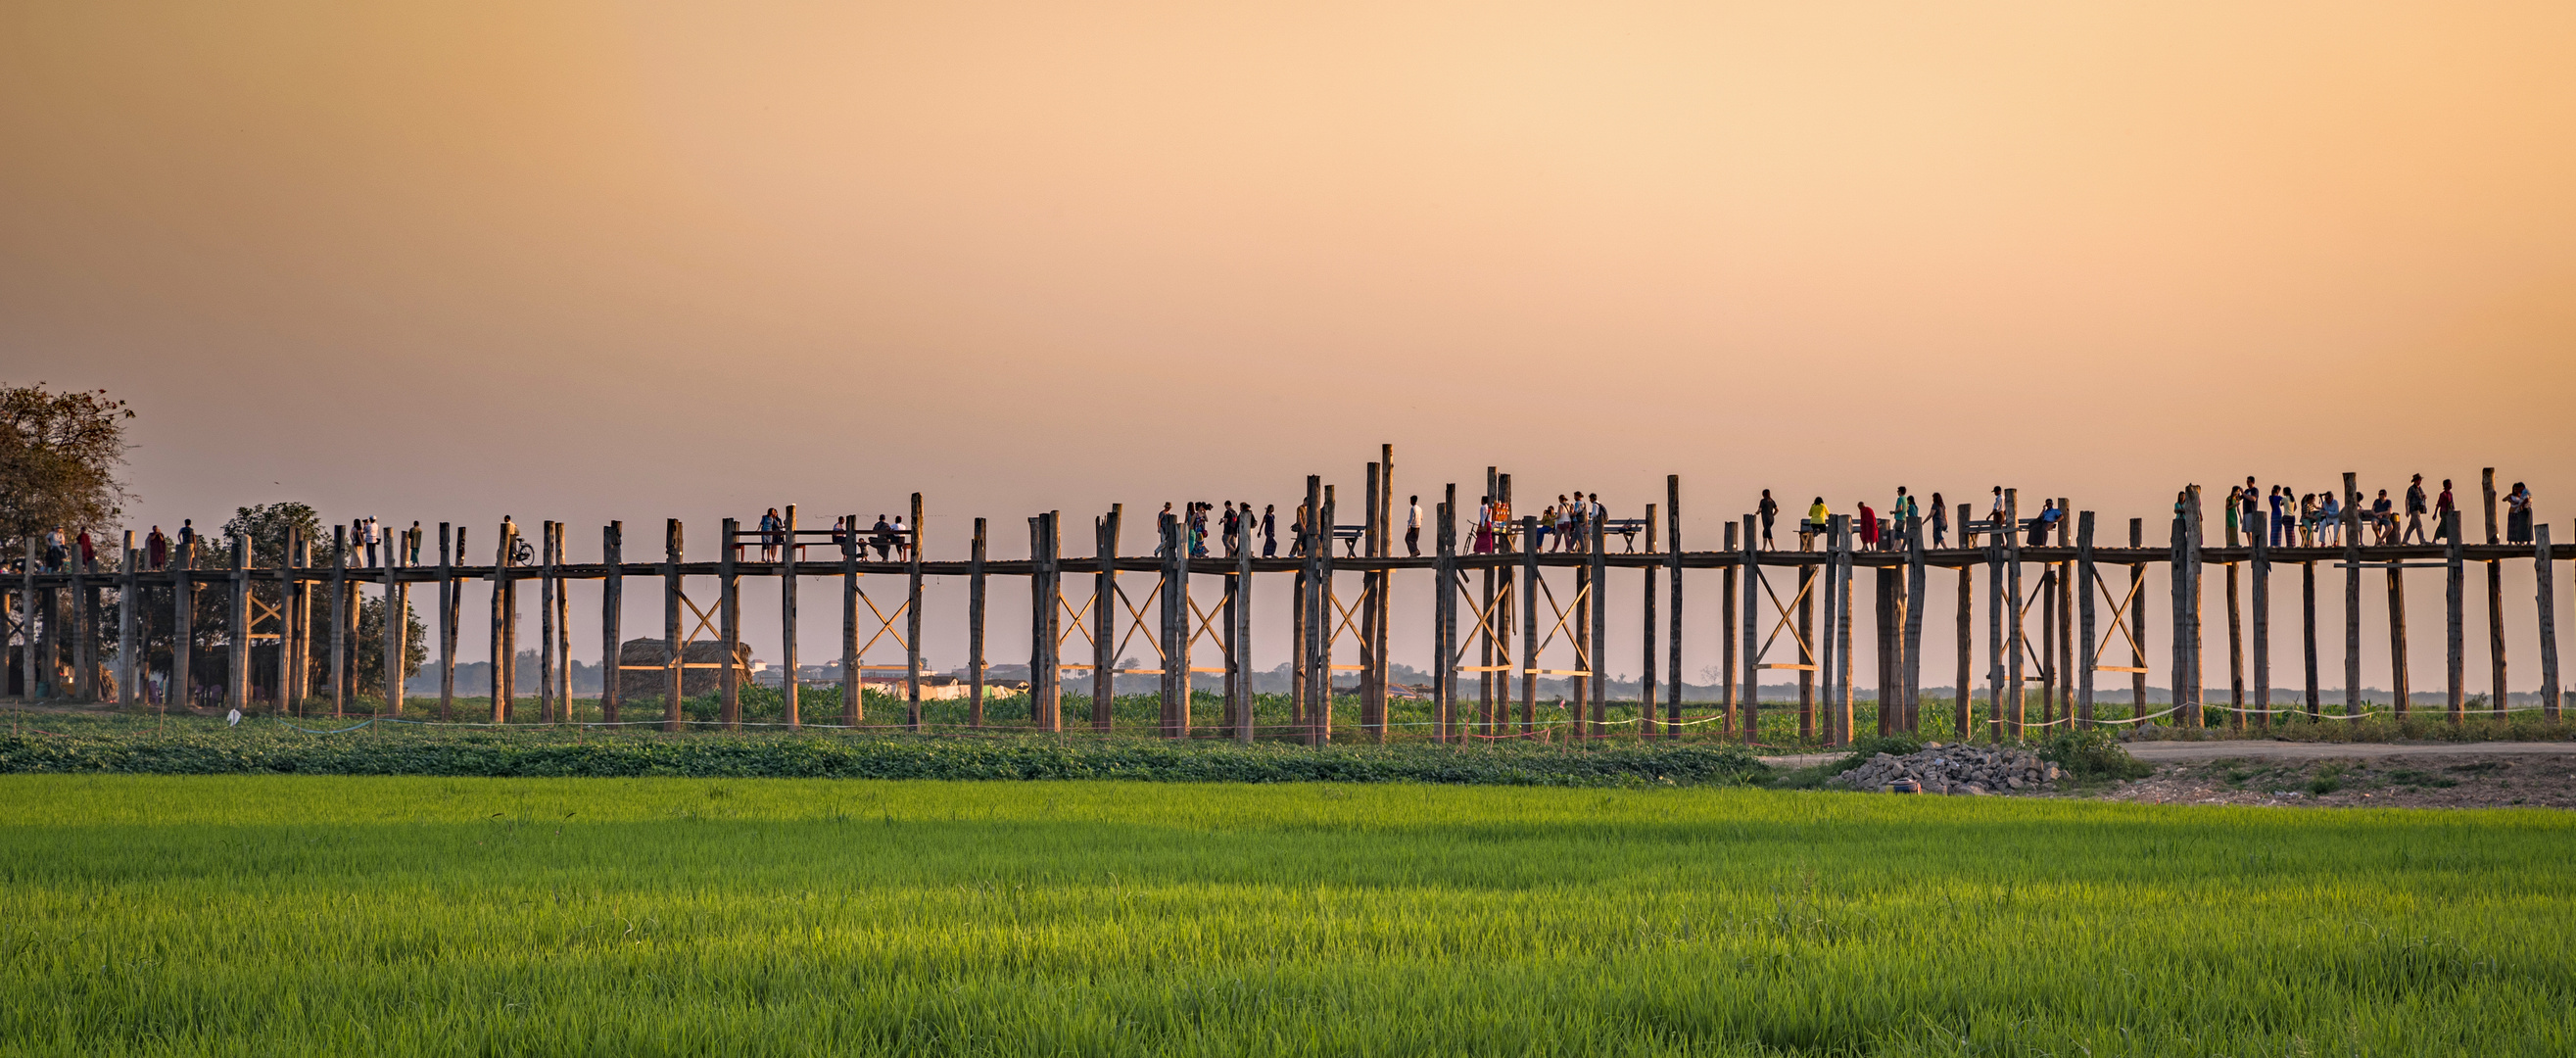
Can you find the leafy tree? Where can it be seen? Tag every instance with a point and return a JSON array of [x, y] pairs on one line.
[[59, 454]]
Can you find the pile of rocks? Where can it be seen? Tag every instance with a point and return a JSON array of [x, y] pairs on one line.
[[1943, 769]]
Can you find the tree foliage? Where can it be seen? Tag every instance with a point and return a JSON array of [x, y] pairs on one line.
[[59, 456]]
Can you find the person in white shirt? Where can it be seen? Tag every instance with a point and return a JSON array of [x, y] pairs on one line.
[[903, 540], [1413, 529]]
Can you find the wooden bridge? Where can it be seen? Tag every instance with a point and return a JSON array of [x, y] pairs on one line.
[[1497, 619]]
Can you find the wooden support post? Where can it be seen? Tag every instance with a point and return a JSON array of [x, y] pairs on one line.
[[395, 624], [1998, 648], [2402, 695], [1311, 604], [237, 669], [2545, 580], [2262, 629], [729, 618], [2066, 587], [1372, 721], [447, 554], [853, 677], [2455, 640], [339, 625], [1053, 523], [28, 660], [2235, 635], [974, 631], [548, 692], [2352, 614], [129, 595], [1528, 662], [291, 640], [1596, 626], [2047, 642], [2016, 633], [1104, 619], [612, 612], [1729, 640], [2191, 538], [789, 693], [1652, 666], [85, 653], [1324, 618], [1173, 531], [1750, 705], [1808, 655], [563, 629], [2497, 684], [505, 651], [912, 621], [1916, 585], [2086, 577], [1829, 655], [1444, 647], [1381, 601], [1239, 614], [672, 631], [1673, 677], [1842, 631], [2308, 635]]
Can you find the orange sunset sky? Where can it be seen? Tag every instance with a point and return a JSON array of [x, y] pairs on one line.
[[581, 262]]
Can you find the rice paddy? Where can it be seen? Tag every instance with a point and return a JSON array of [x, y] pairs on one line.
[[299, 914]]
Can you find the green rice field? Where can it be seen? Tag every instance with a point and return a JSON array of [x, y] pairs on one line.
[[300, 914]]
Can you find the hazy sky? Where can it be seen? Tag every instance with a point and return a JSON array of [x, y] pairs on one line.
[[641, 261]]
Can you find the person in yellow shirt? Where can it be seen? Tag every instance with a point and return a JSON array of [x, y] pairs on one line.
[[1817, 516]]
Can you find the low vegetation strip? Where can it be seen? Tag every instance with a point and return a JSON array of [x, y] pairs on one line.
[[271, 747], [287, 915]]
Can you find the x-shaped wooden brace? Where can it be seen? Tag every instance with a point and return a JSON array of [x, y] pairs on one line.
[[1484, 620], [1342, 626], [885, 622], [1074, 622], [1563, 614], [1783, 623], [1207, 618], [1136, 615], [2119, 617]]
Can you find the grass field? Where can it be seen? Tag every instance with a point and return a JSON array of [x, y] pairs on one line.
[[304, 914]]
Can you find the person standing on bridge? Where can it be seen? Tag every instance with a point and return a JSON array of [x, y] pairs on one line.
[[1269, 529], [770, 523], [1413, 529], [2442, 509], [2517, 518], [1868, 526], [1939, 521], [1228, 527], [1769, 509], [156, 550], [2280, 501], [2414, 512]]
